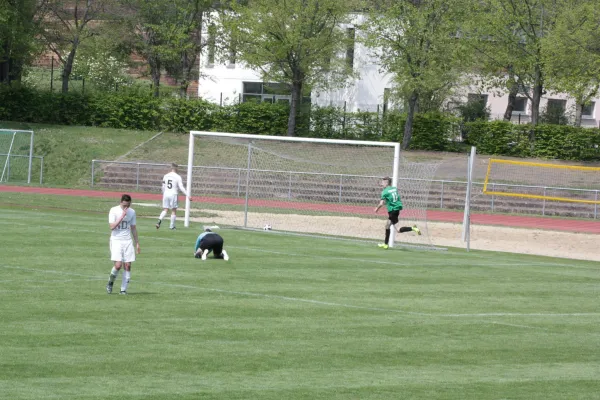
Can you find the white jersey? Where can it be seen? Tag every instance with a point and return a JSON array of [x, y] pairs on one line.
[[123, 230], [172, 185]]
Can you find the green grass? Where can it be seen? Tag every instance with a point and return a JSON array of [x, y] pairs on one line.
[[68, 151], [285, 318]]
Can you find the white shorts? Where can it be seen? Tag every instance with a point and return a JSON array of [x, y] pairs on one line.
[[122, 250], [170, 201]]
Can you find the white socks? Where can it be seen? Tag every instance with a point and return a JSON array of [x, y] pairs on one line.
[[173, 218], [162, 215], [113, 275], [125, 282]]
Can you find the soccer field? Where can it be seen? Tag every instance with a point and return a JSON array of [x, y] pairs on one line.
[[286, 318]]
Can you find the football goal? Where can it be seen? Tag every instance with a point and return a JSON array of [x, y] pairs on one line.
[[16, 155], [303, 185]]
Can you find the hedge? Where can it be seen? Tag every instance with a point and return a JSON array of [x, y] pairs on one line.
[[560, 142], [431, 131]]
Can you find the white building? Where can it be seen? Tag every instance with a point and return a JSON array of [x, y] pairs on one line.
[[231, 82]]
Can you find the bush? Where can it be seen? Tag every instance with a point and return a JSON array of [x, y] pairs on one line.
[[551, 141], [434, 131]]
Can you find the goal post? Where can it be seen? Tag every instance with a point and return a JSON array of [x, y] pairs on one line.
[[16, 155], [301, 185]]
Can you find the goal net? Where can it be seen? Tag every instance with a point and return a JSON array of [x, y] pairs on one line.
[[302, 185], [16, 155]]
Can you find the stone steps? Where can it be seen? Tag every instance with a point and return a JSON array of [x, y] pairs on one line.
[[308, 188]]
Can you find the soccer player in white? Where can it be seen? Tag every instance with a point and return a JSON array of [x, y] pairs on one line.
[[121, 219], [171, 186]]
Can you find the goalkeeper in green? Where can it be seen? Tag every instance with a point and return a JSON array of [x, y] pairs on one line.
[[391, 198]]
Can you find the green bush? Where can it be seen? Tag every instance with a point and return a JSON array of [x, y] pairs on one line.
[[185, 115], [139, 110], [551, 141], [434, 131], [498, 138]]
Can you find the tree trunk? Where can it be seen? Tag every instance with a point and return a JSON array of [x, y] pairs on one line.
[[513, 90], [185, 75], [578, 112], [538, 87], [296, 98], [68, 67], [4, 64], [154, 63], [408, 126]]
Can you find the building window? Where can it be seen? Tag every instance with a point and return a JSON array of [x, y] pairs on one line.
[[557, 105], [588, 110], [211, 44], [269, 92], [477, 98], [521, 105], [351, 33]]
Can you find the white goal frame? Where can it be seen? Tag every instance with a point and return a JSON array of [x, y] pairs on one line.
[[9, 154], [193, 134]]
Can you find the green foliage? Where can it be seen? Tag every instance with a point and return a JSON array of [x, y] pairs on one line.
[[434, 131], [566, 143], [554, 114], [126, 111], [184, 115], [572, 64], [473, 111], [552, 141], [253, 118], [295, 43], [498, 138]]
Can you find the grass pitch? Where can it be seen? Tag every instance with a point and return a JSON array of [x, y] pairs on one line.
[[286, 318]]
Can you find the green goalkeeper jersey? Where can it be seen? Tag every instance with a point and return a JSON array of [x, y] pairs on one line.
[[392, 198]]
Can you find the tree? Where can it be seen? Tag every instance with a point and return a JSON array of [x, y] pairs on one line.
[[167, 34], [568, 53], [19, 24], [67, 23], [515, 31], [293, 42], [417, 41], [183, 38]]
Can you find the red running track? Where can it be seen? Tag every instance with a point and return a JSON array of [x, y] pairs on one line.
[[557, 224]]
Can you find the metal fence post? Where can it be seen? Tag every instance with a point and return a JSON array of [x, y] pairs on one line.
[[93, 161], [41, 170], [596, 205], [137, 177], [341, 186], [442, 196], [239, 182], [290, 186], [544, 203], [493, 189]]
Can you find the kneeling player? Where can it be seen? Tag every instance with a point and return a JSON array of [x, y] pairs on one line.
[[209, 241]]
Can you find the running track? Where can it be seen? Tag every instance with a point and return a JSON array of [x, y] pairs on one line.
[[584, 226]]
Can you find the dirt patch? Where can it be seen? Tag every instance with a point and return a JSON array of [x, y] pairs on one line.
[[483, 237]]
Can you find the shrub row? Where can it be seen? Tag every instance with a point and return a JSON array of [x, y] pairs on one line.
[[431, 131], [560, 142]]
